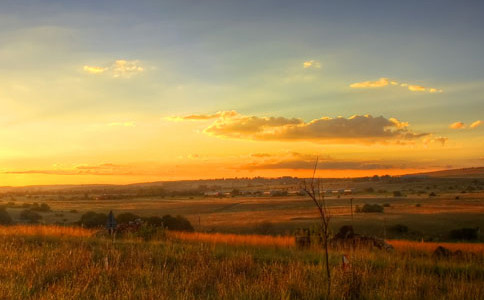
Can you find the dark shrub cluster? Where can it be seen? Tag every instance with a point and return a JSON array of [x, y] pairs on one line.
[[370, 208], [465, 234], [5, 218], [178, 223], [92, 219], [44, 207], [30, 216], [399, 228]]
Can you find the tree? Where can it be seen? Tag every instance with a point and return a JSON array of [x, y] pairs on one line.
[[92, 219], [177, 223], [5, 218], [313, 190], [127, 217]]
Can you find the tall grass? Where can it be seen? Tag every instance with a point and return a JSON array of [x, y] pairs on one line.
[[45, 230], [83, 267], [234, 239]]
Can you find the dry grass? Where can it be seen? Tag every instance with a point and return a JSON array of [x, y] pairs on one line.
[[83, 267], [404, 245], [234, 239], [45, 230]]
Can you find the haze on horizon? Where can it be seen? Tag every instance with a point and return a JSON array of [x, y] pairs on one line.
[[122, 92]]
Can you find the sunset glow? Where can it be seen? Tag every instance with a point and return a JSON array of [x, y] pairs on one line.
[[166, 91]]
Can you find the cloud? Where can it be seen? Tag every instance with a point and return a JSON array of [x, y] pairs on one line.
[[301, 161], [119, 68], [220, 114], [382, 82], [94, 70], [102, 169], [356, 129], [126, 68], [311, 64], [457, 125], [439, 139], [370, 84], [476, 124]]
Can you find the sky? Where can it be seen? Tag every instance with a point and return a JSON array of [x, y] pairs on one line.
[[135, 91]]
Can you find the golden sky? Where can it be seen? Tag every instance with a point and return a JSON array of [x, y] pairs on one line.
[[166, 91]]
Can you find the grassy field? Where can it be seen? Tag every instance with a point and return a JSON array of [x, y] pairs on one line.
[[430, 218], [65, 263]]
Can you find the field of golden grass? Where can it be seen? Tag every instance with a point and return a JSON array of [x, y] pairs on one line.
[[52, 262]]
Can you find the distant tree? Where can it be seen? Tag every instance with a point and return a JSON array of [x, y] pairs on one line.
[[371, 208], [465, 234], [178, 223], [44, 207], [30, 216], [92, 219], [370, 190], [154, 221], [399, 228], [126, 217], [265, 227], [5, 218]]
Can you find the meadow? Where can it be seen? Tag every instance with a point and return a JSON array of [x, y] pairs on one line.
[[428, 218], [52, 262]]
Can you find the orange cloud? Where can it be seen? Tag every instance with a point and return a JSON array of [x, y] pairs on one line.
[[356, 129], [476, 124], [370, 84], [457, 125], [220, 114], [382, 82]]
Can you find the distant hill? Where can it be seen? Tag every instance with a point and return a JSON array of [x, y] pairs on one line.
[[454, 173]]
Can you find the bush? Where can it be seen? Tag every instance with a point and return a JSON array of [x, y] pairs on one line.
[[5, 218], [154, 221], [264, 228], [126, 217], [178, 223], [370, 190], [399, 228], [370, 208], [432, 194], [92, 219], [30, 216], [386, 205], [44, 207], [397, 194], [465, 234]]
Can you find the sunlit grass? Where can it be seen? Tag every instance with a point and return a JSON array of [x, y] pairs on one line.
[[221, 266], [234, 239], [45, 230]]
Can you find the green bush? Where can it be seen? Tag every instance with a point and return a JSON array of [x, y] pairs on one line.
[[5, 218], [92, 219], [370, 208]]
